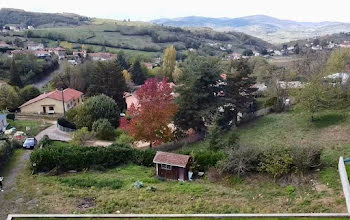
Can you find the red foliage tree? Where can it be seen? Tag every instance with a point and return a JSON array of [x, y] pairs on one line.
[[150, 120]]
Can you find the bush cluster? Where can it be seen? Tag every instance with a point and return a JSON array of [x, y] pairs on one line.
[[6, 151], [104, 129], [78, 158], [204, 159], [275, 160]]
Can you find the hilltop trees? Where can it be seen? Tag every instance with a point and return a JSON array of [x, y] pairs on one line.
[[198, 101], [150, 120], [169, 62]]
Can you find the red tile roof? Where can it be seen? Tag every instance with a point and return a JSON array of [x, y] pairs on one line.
[[172, 159], [68, 95]]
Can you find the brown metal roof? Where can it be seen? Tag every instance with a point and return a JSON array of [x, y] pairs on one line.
[[172, 159]]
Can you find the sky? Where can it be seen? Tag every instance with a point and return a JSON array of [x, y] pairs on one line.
[[298, 10]]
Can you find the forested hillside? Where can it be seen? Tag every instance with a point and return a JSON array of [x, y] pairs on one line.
[[24, 18]]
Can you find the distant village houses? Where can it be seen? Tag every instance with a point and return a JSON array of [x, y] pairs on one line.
[[101, 56], [35, 46]]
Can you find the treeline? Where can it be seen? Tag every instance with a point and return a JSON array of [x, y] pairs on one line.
[[24, 18]]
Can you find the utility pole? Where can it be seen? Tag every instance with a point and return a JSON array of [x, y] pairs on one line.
[[64, 109]]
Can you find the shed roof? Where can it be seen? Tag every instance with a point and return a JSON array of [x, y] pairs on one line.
[[172, 159]]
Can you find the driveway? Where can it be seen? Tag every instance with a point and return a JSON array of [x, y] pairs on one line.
[[54, 134]]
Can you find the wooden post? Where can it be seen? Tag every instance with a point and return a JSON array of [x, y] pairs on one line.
[[64, 109]]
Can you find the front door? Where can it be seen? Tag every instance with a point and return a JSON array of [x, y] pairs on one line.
[[44, 109]]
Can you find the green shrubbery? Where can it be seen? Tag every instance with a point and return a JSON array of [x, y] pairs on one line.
[[275, 160], [104, 129], [65, 158], [6, 151]]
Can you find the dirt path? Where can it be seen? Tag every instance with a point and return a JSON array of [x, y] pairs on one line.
[[10, 180]]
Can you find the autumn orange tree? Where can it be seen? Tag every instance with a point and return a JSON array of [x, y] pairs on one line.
[[150, 120]]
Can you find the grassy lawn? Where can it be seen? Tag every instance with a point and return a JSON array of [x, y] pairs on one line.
[[110, 191], [34, 126]]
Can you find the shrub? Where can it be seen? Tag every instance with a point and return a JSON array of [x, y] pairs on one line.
[[81, 136], [29, 92], [204, 159], [65, 123], [103, 129], [124, 139], [240, 161], [276, 161], [45, 141], [145, 157], [306, 157], [6, 151], [11, 116], [16, 144]]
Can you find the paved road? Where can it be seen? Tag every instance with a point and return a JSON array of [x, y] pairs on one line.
[[54, 134], [46, 79]]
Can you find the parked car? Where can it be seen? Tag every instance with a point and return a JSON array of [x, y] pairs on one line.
[[30, 143]]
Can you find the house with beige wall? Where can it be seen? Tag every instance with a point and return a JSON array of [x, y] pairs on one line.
[[52, 102]]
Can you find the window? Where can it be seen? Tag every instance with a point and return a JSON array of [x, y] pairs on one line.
[[51, 108], [166, 167]]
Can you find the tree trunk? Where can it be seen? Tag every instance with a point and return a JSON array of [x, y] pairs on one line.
[[150, 145]]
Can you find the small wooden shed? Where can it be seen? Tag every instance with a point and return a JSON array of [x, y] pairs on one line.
[[172, 166]]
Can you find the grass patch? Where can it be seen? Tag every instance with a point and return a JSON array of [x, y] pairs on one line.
[[329, 119], [85, 182], [34, 126]]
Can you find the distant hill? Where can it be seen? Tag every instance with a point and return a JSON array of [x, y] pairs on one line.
[[265, 27], [135, 36], [24, 19]]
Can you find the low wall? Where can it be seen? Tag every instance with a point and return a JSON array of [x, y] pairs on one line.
[[65, 129]]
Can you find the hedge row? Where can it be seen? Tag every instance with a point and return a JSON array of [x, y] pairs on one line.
[[6, 151], [65, 158]]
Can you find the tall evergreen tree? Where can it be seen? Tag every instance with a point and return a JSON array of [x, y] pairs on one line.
[[122, 61], [108, 79], [198, 101], [15, 79], [238, 92], [138, 76]]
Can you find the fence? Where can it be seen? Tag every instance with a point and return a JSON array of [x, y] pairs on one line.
[[65, 129], [344, 181], [196, 216]]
